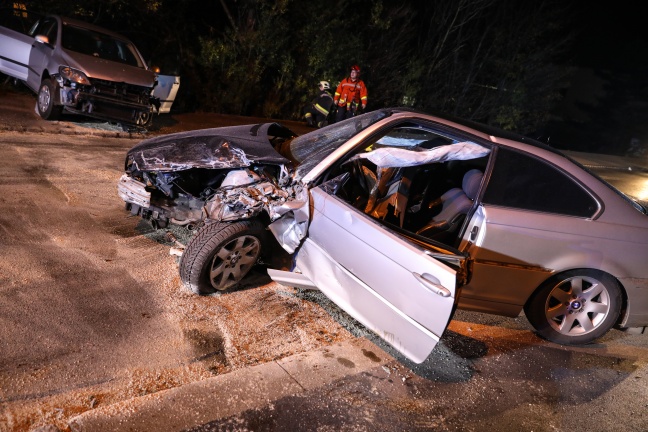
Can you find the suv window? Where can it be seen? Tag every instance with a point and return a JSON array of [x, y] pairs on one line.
[[46, 27], [525, 182]]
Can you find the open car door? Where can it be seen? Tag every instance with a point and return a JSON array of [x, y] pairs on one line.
[[401, 291], [15, 49], [166, 90]]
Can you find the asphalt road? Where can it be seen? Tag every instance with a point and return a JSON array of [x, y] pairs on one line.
[[95, 324]]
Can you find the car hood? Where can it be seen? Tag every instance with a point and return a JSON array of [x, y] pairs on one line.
[[216, 148], [98, 68]]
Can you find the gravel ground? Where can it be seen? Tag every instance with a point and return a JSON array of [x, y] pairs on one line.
[[93, 308]]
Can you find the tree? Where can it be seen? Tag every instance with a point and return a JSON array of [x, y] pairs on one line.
[[487, 60]]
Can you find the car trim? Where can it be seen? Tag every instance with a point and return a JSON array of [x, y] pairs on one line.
[[517, 266], [291, 279], [15, 62]]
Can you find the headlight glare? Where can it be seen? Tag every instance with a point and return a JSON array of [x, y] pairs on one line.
[[74, 75]]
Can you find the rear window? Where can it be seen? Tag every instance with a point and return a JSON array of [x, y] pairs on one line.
[[525, 182]]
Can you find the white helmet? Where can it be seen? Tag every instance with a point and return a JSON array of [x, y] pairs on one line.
[[325, 85]]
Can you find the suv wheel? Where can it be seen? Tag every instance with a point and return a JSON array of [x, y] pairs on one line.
[[47, 95]]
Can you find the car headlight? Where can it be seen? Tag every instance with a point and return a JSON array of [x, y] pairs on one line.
[[74, 75]]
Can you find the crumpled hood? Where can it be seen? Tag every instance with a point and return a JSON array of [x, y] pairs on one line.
[[216, 148], [95, 67]]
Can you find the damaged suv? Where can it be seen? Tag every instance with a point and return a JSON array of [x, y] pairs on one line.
[[399, 217], [81, 68]]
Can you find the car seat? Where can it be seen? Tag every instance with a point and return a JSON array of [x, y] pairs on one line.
[[455, 204]]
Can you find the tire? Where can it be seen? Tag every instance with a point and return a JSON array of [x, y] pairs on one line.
[[220, 255], [46, 103], [575, 307], [145, 120]]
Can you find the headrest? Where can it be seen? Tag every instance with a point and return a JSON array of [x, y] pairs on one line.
[[471, 181]]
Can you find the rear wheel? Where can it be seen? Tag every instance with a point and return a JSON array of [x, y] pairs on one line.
[[575, 307], [47, 107], [220, 255]]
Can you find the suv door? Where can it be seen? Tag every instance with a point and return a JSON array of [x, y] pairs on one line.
[[15, 48], [41, 52]]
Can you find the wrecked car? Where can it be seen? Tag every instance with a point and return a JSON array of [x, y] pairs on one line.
[[83, 69], [400, 217]]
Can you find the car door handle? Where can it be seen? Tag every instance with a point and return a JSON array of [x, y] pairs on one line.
[[473, 233], [431, 286]]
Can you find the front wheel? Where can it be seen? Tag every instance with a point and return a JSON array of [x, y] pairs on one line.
[[145, 119], [575, 307], [220, 255], [47, 107]]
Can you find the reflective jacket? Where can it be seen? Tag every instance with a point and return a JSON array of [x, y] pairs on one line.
[[348, 92], [323, 102], [320, 106]]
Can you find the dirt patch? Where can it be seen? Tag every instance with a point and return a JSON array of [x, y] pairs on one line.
[[93, 308]]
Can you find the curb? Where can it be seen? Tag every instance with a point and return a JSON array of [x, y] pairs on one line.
[[222, 396]]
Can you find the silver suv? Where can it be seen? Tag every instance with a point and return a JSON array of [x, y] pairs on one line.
[[80, 68]]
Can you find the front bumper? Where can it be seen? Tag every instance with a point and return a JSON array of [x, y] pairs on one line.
[[133, 191], [109, 100]]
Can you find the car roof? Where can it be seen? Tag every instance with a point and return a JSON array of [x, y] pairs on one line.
[[483, 128]]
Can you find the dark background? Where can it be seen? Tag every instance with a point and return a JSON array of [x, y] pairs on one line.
[[569, 73], [605, 106]]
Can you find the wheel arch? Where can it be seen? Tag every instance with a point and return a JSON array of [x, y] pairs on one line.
[[555, 276], [200, 251]]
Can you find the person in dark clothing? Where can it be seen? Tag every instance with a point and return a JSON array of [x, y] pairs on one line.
[[317, 112]]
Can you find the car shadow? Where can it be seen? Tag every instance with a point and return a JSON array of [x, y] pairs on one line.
[[450, 361], [161, 122]]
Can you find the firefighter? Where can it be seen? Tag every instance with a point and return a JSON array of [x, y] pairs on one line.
[[317, 112], [350, 94]]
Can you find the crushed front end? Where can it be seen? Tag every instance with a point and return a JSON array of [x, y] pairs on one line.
[[189, 197], [106, 100], [222, 174]]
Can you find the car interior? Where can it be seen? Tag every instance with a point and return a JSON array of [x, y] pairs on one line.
[[429, 201]]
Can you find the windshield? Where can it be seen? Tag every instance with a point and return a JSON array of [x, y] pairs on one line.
[[93, 43], [310, 149]]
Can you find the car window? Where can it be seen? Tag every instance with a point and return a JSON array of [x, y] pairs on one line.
[[46, 27], [522, 181], [400, 177], [309, 150], [96, 44]]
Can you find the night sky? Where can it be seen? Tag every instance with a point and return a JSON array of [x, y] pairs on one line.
[[612, 37], [606, 106]]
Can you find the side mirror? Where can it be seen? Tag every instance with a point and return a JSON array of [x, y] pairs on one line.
[[42, 39]]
